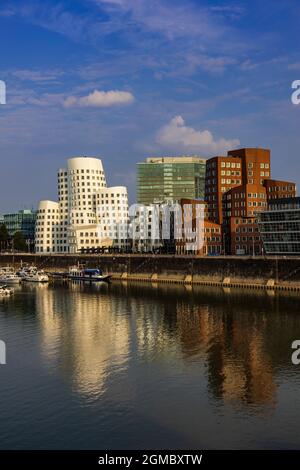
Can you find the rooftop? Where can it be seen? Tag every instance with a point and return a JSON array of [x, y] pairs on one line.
[[176, 159]]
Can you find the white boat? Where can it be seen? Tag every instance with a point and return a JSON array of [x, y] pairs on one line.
[[26, 271], [9, 279], [38, 276], [87, 275], [5, 270]]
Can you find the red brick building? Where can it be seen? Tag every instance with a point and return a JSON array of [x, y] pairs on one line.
[[194, 219], [279, 189], [237, 187]]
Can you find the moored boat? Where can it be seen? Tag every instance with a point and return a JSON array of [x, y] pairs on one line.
[[87, 275], [38, 276], [26, 271], [9, 278]]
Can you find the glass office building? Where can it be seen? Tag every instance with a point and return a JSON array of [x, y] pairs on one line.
[[169, 179], [279, 227], [21, 221]]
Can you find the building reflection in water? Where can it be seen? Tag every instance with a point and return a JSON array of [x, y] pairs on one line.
[[232, 345], [93, 336], [84, 335]]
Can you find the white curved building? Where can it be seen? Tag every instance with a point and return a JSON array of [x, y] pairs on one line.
[[47, 227], [87, 215]]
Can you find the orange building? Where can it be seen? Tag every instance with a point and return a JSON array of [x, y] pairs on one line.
[[222, 174], [195, 221], [237, 187], [279, 189]]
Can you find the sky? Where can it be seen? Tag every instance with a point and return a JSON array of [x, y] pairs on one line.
[[127, 79]]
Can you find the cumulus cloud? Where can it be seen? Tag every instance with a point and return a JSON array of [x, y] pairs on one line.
[[100, 99], [177, 135]]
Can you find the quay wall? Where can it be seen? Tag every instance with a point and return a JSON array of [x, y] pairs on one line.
[[230, 270]]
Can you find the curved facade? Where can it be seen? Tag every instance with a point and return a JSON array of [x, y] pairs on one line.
[[88, 211], [47, 227]]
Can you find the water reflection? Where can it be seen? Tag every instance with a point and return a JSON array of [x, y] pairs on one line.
[[91, 331], [162, 365], [83, 334]]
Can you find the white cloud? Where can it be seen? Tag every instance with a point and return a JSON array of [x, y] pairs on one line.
[[100, 99], [210, 64], [294, 66], [38, 75], [167, 17], [177, 135]]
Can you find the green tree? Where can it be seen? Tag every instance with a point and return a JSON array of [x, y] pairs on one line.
[[19, 242], [4, 237]]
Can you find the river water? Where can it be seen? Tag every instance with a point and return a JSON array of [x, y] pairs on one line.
[[146, 367]]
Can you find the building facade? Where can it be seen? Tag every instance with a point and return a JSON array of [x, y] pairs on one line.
[[200, 236], [178, 228], [169, 179], [87, 215], [279, 227], [238, 187], [22, 221]]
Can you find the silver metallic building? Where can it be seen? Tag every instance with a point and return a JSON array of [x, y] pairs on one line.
[[279, 227]]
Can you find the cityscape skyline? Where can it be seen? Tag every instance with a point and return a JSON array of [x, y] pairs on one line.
[[184, 204], [149, 231], [132, 195], [124, 81]]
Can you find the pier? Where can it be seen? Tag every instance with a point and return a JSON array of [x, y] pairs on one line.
[[268, 273]]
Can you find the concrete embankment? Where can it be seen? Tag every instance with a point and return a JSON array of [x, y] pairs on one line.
[[257, 273]]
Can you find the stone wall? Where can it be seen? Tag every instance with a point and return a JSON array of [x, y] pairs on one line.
[[238, 269]]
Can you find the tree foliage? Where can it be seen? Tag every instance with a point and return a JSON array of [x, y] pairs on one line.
[[4, 236], [19, 242]]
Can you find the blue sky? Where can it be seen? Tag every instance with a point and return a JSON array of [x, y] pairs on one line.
[[125, 79]]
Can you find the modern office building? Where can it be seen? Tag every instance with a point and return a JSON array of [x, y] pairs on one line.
[[181, 228], [145, 228], [21, 221], [279, 226], [169, 179], [239, 186], [87, 215]]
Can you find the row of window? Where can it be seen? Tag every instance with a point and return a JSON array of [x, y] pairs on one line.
[[280, 188], [247, 239], [73, 172]]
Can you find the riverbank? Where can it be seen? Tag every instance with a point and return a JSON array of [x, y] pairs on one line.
[[230, 271]]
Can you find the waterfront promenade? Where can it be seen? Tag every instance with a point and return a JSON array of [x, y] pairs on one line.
[[227, 271]]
